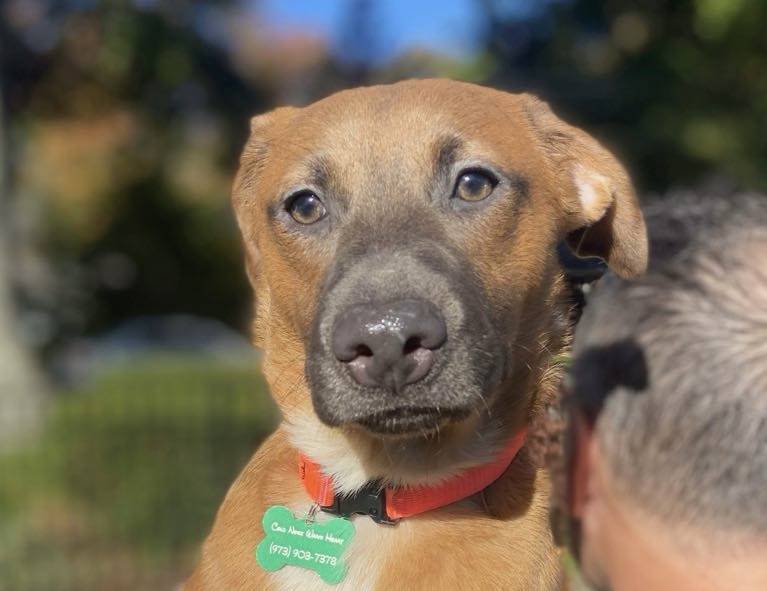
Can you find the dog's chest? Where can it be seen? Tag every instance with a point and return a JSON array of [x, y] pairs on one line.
[[364, 559]]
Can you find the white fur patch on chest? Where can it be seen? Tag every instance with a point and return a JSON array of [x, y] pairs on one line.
[[364, 558], [329, 448]]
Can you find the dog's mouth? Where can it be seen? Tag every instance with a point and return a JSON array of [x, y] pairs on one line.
[[410, 420]]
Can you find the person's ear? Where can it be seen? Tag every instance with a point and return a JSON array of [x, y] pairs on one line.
[[246, 185], [602, 215], [579, 464], [577, 493]]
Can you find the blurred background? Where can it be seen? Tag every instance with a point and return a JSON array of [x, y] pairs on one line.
[[129, 394]]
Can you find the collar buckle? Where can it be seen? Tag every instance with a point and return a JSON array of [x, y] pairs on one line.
[[369, 500]]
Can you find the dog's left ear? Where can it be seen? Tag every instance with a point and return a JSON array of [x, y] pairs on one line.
[[602, 211], [244, 191]]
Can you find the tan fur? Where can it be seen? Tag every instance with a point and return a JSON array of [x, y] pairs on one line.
[[499, 539]]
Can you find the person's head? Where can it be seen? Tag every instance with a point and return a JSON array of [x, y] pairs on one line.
[[668, 448]]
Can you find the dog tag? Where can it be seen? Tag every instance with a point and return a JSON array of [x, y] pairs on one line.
[[295, 542]]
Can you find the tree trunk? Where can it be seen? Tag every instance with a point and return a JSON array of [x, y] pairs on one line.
[[22, 387]]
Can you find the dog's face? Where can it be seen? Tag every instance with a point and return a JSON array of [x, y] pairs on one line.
[[401, 243]]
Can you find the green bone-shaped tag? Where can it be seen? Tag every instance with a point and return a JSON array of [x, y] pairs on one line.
[[316, 546]]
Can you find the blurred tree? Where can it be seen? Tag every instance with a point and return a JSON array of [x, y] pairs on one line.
[[678, 86], [129, 117]]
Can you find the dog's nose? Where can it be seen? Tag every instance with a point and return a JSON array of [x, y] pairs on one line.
[[389, 345]]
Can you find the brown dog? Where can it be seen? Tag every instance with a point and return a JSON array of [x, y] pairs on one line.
[[400, 241]]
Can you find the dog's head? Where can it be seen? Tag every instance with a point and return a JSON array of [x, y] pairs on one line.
[[401, 242]]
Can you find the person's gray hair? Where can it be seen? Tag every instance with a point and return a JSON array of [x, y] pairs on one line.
[[674, 367]]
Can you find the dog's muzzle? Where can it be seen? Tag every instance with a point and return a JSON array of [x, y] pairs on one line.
[[402, 343]]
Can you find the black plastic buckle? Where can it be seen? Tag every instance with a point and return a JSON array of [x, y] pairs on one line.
[[369, 500]]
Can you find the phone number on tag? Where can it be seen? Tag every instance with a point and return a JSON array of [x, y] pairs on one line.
[[304, 555]]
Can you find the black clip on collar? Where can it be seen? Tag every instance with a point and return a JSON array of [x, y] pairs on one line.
[[368, 500]]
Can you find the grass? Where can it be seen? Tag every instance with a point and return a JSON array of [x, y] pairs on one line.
[[124, 483]]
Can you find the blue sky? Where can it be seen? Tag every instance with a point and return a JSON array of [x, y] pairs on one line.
[[449, 26]]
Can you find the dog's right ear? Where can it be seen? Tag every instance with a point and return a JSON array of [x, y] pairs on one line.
[[246, 183]]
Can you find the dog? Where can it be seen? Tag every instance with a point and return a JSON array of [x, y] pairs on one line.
[[401, 244]]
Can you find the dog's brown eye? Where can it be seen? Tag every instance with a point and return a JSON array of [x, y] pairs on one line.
[[474, 185], [306, 208]]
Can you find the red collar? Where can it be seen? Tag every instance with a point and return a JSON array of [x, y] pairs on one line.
[[390, 504]]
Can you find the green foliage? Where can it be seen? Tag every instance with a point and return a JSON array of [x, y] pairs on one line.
[[139, 461], [678, 87], [155, 449], [129, 129]]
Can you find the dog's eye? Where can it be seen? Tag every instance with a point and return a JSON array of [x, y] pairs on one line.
[[306, 208], [474, 185]]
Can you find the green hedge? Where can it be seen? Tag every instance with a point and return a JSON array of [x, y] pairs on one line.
[[143, 457]]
